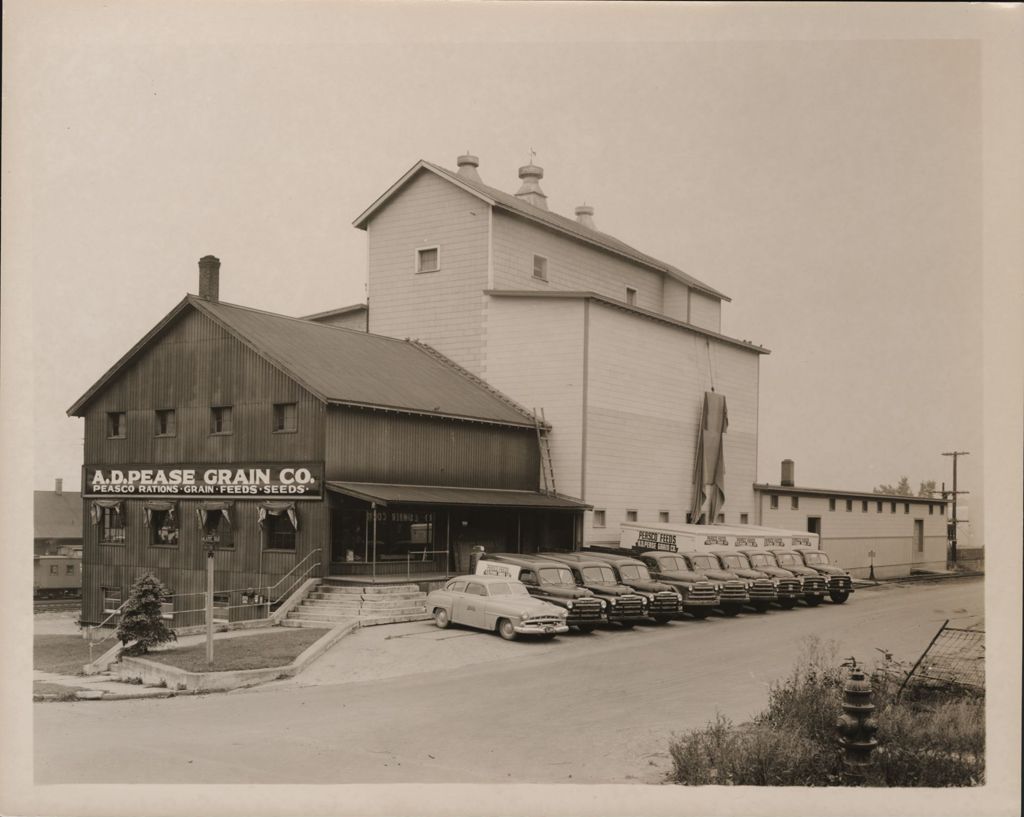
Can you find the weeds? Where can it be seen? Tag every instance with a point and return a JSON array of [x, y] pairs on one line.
[[933, 738]]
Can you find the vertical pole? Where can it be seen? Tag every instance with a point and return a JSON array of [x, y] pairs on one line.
[[209, 607], [953, 549], [373, 510]]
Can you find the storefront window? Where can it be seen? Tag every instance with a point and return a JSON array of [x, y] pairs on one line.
[[217, 530], [112, 527], [165, 529], [279, 533]]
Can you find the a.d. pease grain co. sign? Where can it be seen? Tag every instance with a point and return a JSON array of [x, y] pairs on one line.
[[197, 480]]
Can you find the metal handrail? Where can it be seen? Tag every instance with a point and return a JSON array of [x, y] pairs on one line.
[[289, 573]]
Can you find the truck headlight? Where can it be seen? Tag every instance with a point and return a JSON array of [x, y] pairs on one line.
[[524, 616], [612, 602], [569, 605], [603, 604]]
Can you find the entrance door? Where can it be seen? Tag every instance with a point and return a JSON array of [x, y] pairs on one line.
[[814, 526], [918, 550]]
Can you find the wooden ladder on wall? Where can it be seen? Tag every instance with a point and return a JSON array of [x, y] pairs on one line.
[[547, 470]]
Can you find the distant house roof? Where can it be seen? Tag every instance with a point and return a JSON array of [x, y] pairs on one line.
[[516, 206], [57, 516], [839, 494], [346, 366], [624, 307], [336, 313]]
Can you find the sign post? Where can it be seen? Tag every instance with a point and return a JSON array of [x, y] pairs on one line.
[[209, 607]]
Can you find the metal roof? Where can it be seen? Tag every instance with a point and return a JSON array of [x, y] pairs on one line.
[[57, 516], [348, 366], [333, 313], [386, 494], [512, 204], [790, 489]]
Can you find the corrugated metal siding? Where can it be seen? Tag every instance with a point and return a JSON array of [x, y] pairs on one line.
[[377, 446], [440, 308]]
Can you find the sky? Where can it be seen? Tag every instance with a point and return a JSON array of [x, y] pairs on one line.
[[831, 188]]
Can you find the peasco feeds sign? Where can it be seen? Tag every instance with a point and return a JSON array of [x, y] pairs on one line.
[[291, 480]]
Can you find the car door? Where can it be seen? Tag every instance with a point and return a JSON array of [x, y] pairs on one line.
[[469, 606]]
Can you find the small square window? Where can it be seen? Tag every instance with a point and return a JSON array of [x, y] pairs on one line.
[[69, 570], [54, 570], [864, 506], [165, 422], [116, 424], [111, 597], [744, 519], [794, 503], [931, 510], [164, 527], [721, 518], [631, 516], [892, 507], [663, 516], [831, 503], [906, 507], [773, 502], [631, 296], [878, 508], [942, 508], [849, 505], [428, 259], [285, 417], [598, 519], [278, 532], [540, 267], [220, 420]]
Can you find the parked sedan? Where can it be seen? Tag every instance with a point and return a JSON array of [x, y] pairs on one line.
[[497, 604]]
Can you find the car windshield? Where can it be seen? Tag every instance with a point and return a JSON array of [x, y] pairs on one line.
[[634, 572], [704, 562], [734, 560], [672, 563], [785, 558], [599, 574], [760, 559], [508, 589], [815, 557], [555, 575]]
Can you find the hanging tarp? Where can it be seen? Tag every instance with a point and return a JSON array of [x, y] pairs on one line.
[[205, 507], [709, 462], [278, 509], [97, 506], [152, 505]]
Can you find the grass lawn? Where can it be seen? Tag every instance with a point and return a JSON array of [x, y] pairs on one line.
[[64, 654], [276, 648]]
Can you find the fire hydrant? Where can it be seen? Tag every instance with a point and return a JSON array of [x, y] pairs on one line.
[[856, 725]]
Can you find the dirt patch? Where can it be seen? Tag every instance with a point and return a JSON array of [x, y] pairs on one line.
[[276, 648], [62, 654]]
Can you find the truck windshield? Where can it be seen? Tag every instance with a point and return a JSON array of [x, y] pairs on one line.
[[509, 589], [704, 562], [672, 563], [815, 557], [555, 575], [634, 572], [785, 558], [760, 560], [599, 574], [734, 560]]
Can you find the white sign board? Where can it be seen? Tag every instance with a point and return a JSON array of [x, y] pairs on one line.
[[488, 568]]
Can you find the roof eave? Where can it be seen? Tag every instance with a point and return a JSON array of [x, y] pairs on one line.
[[796, 489], [337, 401], [363, 218]]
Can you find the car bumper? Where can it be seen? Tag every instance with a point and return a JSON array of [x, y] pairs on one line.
[[531, 628]]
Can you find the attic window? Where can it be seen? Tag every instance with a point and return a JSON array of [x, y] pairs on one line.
[[164, 422], [220, 420], [115, 424], [428, 259], [284, 417], [540, 267]]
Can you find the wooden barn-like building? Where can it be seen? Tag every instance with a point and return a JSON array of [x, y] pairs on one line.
[[293, 449]]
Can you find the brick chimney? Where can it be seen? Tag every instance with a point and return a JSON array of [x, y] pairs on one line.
[[58, 486], [468, 163], [585, 216], [530, 192], [209, 278], [787, 473]]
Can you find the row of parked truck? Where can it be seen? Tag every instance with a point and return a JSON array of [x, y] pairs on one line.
[[607, 584]]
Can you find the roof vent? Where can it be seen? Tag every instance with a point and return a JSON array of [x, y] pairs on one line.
[[530, 192], [468, 163], [209, 278], [585, 216]]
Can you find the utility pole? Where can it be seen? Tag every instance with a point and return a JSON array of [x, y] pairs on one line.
[[953, 529]]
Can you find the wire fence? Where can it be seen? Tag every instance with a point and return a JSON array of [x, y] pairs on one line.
[[955, 657]]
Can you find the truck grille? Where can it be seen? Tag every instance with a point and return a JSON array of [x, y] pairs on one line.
[[626, 607], [842, 583], [664, 602], [814, 584], [584, 610], [789, 587], [735, 591], [702, 593], [762, 590]]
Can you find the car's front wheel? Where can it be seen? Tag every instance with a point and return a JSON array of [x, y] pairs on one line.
[[506, 629], [441, 618], [838, 596]]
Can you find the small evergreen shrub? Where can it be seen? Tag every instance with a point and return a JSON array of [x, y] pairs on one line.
[[141, 619]]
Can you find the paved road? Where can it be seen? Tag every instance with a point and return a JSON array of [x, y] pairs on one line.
[[585, 709]]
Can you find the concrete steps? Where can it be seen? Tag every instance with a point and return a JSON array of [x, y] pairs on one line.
[[329, 604]]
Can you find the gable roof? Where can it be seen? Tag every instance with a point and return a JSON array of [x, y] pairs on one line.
[[345, 366], [336, 313], [516, 206], [57, 516]]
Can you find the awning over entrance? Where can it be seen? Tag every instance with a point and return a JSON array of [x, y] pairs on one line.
[[384, 494]]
